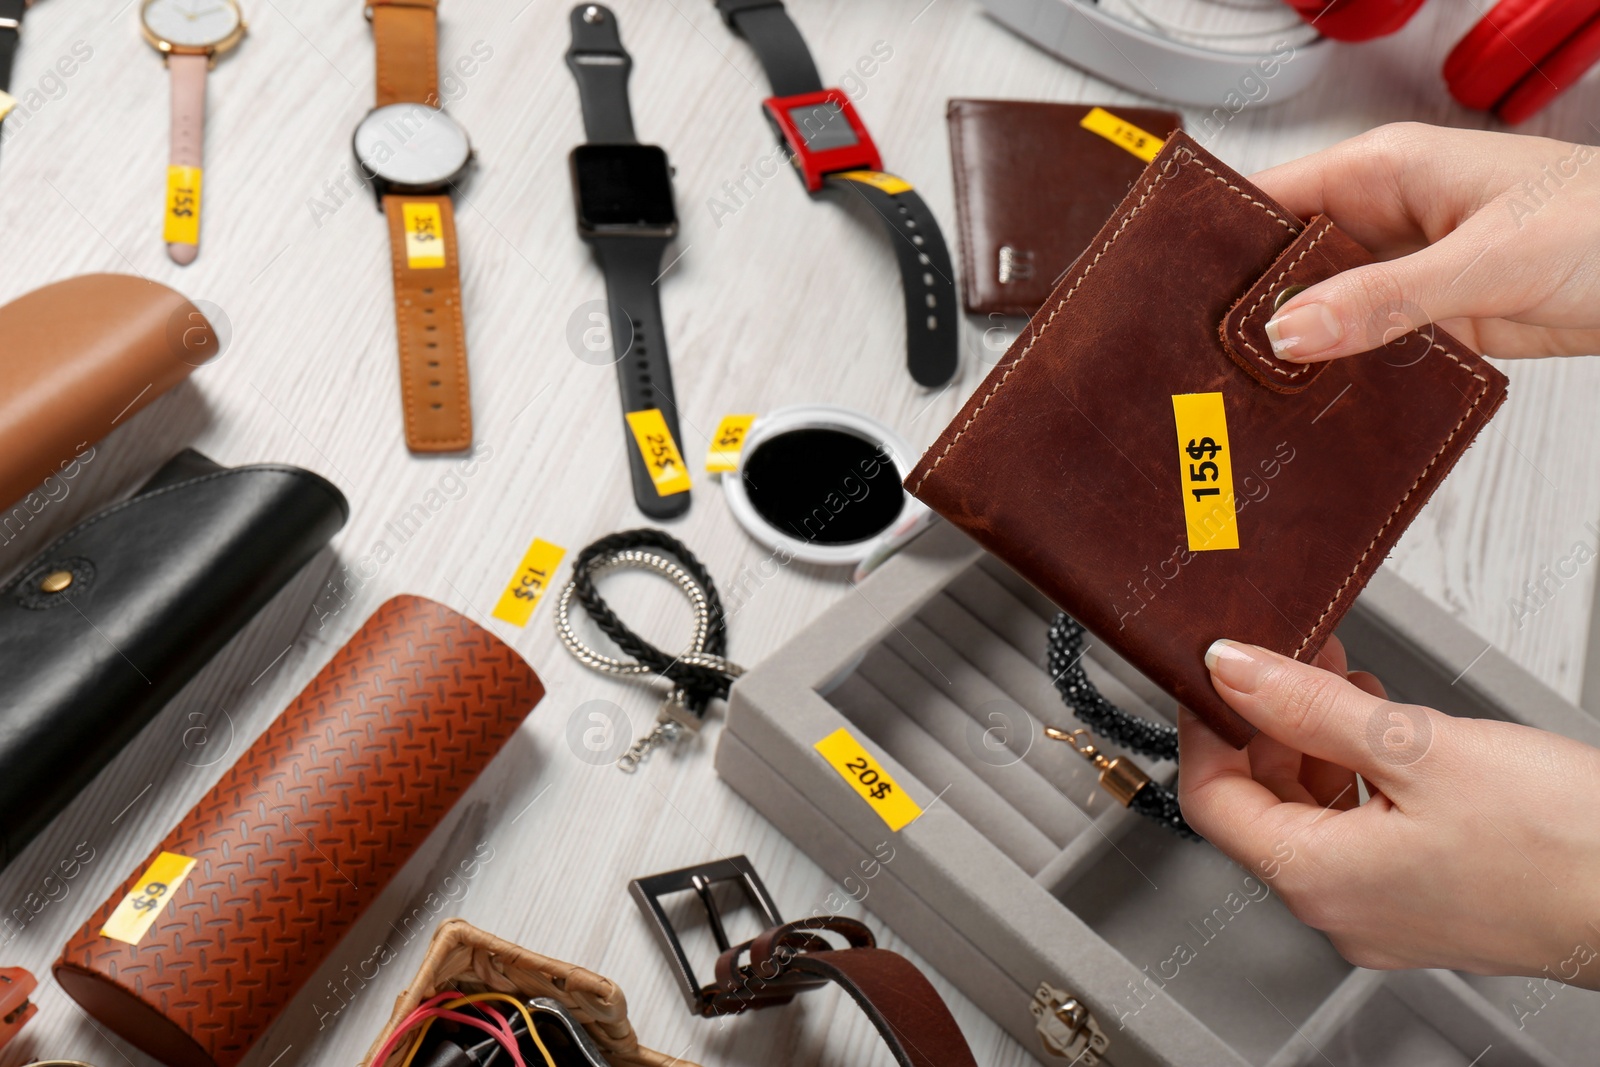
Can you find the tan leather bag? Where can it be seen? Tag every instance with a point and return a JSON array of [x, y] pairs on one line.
[[463, 957], [80, 357]]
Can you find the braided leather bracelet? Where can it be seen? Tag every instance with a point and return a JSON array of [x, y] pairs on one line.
[[698, 675], [1122, 778]]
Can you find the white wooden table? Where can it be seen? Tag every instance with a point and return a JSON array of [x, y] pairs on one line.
[[784, 301]]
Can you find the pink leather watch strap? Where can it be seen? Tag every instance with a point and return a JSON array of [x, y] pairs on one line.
[[188, 127]]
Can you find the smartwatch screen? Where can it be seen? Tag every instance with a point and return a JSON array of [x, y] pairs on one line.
[[823, 126], [623, 185]]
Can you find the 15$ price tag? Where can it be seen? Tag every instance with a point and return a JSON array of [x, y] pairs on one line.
[[527, 587], [182, 225], [1205, 469], [149, 895], [722, 456], [1122, 133], [668, 472], [857, 767]]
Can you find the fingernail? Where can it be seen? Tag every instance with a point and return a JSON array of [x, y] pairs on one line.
[[1304, 333], [1238, 666]]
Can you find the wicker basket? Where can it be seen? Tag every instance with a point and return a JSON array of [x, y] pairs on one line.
[[465, 958]]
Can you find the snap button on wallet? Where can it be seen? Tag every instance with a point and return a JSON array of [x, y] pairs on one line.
[[1140, 428], [281, 858], [1033, 186]]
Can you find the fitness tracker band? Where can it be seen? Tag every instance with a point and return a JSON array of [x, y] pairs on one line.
[[623, 193], [831, 148], [413, 153], [190, 35]]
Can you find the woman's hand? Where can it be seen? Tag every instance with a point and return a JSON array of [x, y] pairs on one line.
[[1479, 849], [1494, 236]]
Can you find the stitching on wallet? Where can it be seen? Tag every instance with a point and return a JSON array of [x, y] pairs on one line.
[[1161, 176], [1327, 227], [1482, 392]]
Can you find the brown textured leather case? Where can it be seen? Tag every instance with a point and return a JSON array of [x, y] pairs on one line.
[[1065, 461], [1032, 188], [80, 357], [303, 832]]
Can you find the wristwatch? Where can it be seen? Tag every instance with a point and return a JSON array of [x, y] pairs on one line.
[[789, 958], [623, 192], [413, 153], [11, 12], [831, 149], [190, 34]]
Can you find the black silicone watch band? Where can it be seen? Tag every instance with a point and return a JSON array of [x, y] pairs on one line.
[[11, 12], [631, 263], [601, 66], [927, 278], [644, 374], [777, 44]]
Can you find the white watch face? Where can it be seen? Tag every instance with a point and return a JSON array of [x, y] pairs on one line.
[[191, 23], [412, 144]]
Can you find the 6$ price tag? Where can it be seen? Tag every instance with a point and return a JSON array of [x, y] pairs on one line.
[[138, 910]]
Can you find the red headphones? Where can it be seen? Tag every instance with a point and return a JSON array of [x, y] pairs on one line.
[[1521, 56]]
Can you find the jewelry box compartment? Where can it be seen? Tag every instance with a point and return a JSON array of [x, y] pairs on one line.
[[1021, 871]]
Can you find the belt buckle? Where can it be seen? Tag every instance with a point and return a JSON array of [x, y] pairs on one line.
[[712, 999]]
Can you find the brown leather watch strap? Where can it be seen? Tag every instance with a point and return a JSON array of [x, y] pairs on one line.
[[406, 35], [427, 311], [897, 998]]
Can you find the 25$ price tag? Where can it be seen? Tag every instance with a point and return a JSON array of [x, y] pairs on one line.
[[668, 472]]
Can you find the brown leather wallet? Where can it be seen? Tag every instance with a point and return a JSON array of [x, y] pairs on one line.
[[80, 357], [299, 836], [1032, 187], [1080, 463]]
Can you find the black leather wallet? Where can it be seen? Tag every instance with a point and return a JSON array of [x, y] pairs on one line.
[[105, 625]]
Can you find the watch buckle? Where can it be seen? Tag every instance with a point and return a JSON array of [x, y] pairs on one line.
[[1067, 1030], [648, 891]]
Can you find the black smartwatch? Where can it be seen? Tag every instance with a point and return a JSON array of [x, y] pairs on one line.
[[831, 149], [623, 191], [11, 12]]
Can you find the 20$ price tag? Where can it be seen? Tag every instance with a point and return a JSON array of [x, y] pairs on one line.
[[868, 778]]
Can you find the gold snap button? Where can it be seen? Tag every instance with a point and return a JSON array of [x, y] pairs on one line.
[[1285, 295], [55, 581]]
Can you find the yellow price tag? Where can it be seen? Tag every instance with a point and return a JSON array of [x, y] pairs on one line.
[[1205, 468], [7, 103], [877, 179], [1123, 134], [147, 897], [722, 455], [182, 225], [856, 766], [424, 225], [534, 575], [667, 469]]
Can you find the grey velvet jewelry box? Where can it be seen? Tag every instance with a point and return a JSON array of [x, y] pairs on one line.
[[1022, 872]]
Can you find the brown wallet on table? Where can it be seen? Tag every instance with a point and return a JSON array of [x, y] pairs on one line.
[[78, 358], [1141, 426], [194, 957], [1034, 184]]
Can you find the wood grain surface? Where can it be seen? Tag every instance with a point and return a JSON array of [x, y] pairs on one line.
[[773, 301]]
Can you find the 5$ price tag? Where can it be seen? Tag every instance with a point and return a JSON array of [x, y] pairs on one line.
[[727, 443]]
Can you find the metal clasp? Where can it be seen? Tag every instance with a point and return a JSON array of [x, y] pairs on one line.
[[709, 999], [1066, 1028]]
